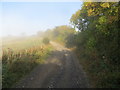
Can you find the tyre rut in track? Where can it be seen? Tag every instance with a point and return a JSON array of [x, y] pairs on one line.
[[61, 70]]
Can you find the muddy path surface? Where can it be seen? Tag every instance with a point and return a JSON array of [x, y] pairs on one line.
[[60, 70]]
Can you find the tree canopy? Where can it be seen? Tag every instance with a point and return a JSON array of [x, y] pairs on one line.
[[98, 37]]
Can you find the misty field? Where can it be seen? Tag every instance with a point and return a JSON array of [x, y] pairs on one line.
[[20, 56]]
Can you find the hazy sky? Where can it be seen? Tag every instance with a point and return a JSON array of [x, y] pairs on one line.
[[31, 17]]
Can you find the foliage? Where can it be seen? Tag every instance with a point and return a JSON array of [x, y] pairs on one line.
[[98, 39], [60, 33], [46, 40]]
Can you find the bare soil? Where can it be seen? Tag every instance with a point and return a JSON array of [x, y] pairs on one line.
[[60, 70]]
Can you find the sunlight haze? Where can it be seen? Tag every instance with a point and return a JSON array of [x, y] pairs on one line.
[[31, 17]]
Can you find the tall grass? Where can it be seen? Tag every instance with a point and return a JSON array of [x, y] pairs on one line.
[[16, 63]]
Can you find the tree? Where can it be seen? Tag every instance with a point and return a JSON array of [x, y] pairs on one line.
[[60, 33], [98, 36]]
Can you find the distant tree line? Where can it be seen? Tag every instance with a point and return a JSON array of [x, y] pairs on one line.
[[60, 34]]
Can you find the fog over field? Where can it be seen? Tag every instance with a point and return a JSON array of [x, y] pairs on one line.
[[27, 18]]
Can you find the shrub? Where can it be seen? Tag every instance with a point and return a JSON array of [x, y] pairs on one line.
[[46, 40]]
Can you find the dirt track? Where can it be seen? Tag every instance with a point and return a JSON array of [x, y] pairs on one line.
[[61, 70]]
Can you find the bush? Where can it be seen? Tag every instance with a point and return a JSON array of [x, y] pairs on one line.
[[46, 40]]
